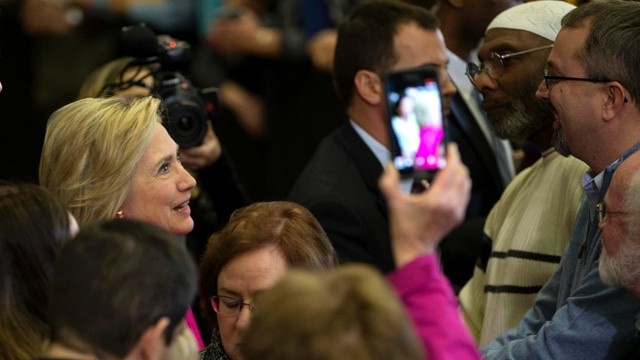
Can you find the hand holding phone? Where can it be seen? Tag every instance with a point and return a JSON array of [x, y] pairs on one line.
[[417, 130]]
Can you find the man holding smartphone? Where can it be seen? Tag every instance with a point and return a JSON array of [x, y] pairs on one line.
[[339, 184]]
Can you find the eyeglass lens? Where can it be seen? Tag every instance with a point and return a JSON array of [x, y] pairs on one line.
[[494, 66], [229, 306]]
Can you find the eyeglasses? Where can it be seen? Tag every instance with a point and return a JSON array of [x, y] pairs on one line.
[[494, 66], [229, 306], [603, 212], [549, 80]]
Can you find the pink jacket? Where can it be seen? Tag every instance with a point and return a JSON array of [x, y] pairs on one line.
[[193, 326], [433, 307]]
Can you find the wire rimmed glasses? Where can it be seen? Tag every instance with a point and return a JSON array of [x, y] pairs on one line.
[[602, 211], [494, 65], [229, 306]]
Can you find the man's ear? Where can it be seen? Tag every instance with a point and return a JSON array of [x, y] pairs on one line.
[[152, 341], [616, 100], [368, 87]]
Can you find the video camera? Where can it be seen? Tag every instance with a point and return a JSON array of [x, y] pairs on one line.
[[188, 107]]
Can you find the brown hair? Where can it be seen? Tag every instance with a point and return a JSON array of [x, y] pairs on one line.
[[366, 40], [34, 224], [610, 49], [289, 226]]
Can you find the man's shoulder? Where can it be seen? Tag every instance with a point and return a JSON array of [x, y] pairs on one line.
[[329, 161], [551, 167], [339, 167], [568, 164]]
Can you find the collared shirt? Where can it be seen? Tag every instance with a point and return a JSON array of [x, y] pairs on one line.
[[574, 307], [379, 151], [592, 185]]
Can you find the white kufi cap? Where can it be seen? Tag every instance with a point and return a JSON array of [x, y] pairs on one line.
[[538, 17]]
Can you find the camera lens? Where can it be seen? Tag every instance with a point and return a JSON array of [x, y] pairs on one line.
[[187, 119], [185, 124]]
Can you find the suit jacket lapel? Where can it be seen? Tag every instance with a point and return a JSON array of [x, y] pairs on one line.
[[461, 114], [368, 165]]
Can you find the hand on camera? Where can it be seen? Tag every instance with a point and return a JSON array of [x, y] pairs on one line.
[[202, 156], [418, 222]]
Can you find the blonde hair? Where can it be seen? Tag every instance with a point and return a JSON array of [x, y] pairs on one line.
[[108, 73], [91, 151], [348, 313], [111, 73]]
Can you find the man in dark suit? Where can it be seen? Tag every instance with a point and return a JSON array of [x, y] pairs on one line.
[[339, 184]]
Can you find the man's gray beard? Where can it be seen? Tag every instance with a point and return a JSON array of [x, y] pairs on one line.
[[623, 270], [559, 144], [520, 123]]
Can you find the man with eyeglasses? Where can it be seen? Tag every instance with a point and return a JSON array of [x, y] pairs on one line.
[[619, 221], [489, 158], [593, 88], [517, 260]]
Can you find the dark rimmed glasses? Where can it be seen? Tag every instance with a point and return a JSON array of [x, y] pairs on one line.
[[229, 306], [494, 66], [549, 80], [602, 211]]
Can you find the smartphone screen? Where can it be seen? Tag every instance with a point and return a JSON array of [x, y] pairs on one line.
[[416, 125]]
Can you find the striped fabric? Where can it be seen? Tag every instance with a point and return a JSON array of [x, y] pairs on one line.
[[526, 233]]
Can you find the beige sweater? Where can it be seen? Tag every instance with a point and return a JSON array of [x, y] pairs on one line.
[[529, 227]]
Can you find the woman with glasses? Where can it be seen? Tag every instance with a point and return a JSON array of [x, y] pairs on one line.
[[250, 254], [262, 242]]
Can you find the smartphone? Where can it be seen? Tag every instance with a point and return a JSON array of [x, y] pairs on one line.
[[417, 128]]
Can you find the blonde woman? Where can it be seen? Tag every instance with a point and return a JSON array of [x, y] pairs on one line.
[[108, 158]]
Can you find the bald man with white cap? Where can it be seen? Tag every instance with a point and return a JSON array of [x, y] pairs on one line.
[[529, 227]]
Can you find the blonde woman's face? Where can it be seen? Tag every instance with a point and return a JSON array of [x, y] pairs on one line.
[[161, 187]]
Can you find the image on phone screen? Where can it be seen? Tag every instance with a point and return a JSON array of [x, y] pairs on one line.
[[417, 129]]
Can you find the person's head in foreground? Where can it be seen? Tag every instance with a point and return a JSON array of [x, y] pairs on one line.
[[348, 313], [619, 216], [33, 226], [250, 254], [120, 290], [110, 158]]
